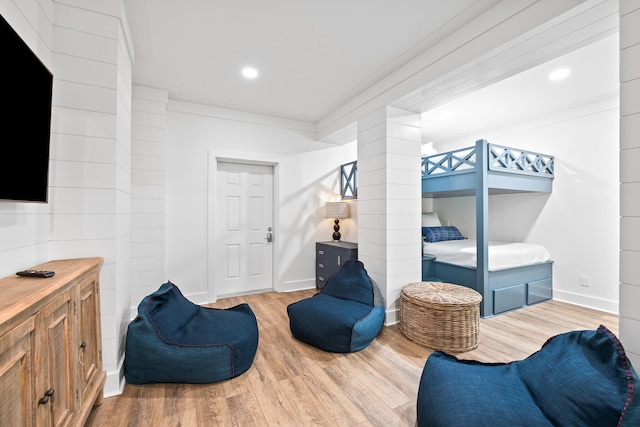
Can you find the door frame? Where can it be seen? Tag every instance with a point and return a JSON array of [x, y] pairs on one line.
[[212, 173]]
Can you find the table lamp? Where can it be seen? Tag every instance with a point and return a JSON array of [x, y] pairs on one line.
[[338, 211]]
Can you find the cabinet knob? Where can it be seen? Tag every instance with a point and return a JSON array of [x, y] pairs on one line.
[[321, 279], [321, 265], [47, 394], [321, 252]]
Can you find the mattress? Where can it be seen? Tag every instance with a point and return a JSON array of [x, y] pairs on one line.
[[501, 254]]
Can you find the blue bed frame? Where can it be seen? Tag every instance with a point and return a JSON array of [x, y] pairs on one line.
[[482, 170]]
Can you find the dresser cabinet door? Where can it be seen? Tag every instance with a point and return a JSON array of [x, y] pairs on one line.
[[57, 390], [17, 376], [51, 346], [89, 344]]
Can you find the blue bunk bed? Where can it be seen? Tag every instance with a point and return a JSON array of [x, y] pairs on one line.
[[482, 170]]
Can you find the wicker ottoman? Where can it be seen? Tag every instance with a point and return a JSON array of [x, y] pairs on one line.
[[441, 316]]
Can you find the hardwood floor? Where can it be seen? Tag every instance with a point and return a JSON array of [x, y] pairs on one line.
[[293, 384]]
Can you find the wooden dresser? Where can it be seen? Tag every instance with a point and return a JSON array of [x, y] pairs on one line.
[[51, 345]]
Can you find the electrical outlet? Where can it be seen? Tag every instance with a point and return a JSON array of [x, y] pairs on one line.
[[585, 281]]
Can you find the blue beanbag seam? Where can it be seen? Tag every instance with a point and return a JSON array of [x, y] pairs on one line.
[[354, 328], [175, 343], [362, 318], [362, 321], [347, 299], [627, 369], [371, 289], [150, 346], [627, 412], [347, 268], [191, 345], [623, 361]]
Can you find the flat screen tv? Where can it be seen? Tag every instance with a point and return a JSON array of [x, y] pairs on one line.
[[25, 123]]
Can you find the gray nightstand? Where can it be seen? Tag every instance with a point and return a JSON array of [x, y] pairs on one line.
[[330, 256]]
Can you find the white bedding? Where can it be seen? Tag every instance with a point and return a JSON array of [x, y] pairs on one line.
[[501, 254]]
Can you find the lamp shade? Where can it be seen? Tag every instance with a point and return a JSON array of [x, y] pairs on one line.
[[337, 210]]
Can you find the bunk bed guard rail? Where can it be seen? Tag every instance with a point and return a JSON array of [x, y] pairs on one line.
[[500, 159]]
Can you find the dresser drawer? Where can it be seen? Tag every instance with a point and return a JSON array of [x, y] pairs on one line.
[[330, 256]]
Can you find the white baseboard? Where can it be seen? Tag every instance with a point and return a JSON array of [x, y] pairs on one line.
[[391, 317], [585, 301], [114, 384], [297, 285]]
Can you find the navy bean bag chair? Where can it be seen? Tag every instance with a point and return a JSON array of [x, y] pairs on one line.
[[577, 379], [345, 316], [173, 340]]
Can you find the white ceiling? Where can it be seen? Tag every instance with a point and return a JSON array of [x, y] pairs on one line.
[[593, 76], [314, 56]]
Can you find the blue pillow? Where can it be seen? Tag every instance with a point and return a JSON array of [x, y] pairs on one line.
[[440, 234]]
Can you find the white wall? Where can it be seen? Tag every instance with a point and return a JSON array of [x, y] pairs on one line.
[[630, 178], [578, 221], [389, 198], [88, 51], [91, 157], [148, 192], [307, 177]]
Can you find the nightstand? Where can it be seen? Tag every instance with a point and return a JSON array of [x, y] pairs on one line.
[[330, 256]]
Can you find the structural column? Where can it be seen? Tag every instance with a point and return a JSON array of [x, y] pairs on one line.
[[389, 201], [91, 157], [148, 190], [630, 178]]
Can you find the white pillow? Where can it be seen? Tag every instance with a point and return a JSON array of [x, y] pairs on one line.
[[430, 219]]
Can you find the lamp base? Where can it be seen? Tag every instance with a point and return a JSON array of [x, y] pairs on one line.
[[336, 230]]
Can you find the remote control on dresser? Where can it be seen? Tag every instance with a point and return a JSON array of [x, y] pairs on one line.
[[35, 273]]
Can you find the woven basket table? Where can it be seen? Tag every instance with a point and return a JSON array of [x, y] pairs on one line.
[[440, 315]]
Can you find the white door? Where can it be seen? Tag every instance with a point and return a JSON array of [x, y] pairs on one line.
[[244, 210]]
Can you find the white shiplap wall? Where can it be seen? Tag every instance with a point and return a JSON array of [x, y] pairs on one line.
[[125, 55], [630, 178], [148, 217], [91, 157], [389, 201]]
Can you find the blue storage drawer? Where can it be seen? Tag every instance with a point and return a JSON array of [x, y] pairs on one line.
[[539, 290], [508, 298], [427, 268]]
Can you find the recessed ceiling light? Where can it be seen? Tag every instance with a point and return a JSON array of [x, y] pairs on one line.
[[250, 73], [559, 74]]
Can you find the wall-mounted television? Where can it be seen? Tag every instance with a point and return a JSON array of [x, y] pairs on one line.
[[25, 123]]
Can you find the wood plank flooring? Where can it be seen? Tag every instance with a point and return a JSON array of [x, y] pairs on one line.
[[293, 384]]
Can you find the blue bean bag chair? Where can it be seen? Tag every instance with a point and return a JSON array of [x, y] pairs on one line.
[[173, 340], [577, 379], [345, 316]]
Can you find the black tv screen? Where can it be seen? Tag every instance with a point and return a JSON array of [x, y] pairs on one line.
[[25, 123]]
